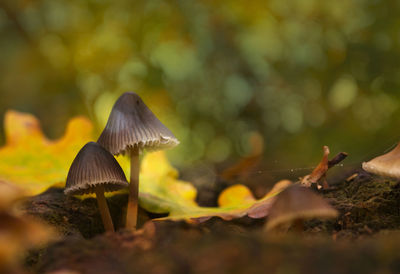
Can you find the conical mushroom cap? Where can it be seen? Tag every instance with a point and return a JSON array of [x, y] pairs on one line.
[[94, 166], [387, 165], [132, 124], [298, 202]]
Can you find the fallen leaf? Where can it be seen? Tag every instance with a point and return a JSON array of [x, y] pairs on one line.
[[319, 172], [261, 208], [235, 194], [32, 161], [318, 175], [159, 189], [161, 192]]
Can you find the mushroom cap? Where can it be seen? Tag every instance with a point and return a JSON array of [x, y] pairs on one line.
[[387, 165], [94, 166], [297, 202], [132, 124]]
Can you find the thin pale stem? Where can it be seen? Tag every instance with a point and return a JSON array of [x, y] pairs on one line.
[[132, 210], [103, 207]]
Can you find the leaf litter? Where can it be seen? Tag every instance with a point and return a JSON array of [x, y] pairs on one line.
[[35, 163]]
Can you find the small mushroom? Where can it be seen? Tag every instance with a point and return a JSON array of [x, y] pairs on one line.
[[95, 170], [295, 204], [131, 128], [387, 165]]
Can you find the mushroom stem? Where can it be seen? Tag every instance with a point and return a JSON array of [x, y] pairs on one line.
[[132, 210], [103, 207]]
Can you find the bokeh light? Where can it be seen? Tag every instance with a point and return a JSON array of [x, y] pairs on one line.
[[301, 73]]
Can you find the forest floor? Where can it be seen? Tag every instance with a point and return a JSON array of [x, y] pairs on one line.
[[364, 238]]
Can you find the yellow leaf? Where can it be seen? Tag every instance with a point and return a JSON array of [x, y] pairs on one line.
[[22, 129], [234, 195], [32, 161], [160, 188], [161, 192]]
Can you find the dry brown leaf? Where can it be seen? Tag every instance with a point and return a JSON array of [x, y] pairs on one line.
[[318, 175]]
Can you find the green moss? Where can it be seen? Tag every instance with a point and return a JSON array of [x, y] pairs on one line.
[[367, 204]]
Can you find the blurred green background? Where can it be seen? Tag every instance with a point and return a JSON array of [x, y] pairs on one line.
[[302, 73]]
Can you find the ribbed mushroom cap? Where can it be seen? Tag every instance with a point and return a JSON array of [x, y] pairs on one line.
[[132, 124], [387, 165], [298, 202], [94, 166]]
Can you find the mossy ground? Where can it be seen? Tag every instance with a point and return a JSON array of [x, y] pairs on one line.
[[365, 238]]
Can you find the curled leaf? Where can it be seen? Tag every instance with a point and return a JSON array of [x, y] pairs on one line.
[[162, 192], [318, 175], [319, 172]]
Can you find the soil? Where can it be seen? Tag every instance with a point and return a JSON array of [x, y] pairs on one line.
[[365, 238]]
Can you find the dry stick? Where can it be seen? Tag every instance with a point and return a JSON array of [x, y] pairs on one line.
[[337, 159], [331, 163], [103, 207], [132, 210]]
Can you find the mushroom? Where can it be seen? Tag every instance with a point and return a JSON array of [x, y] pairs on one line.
[[387, 165], [131, 128], [95, 170], [297, 203]]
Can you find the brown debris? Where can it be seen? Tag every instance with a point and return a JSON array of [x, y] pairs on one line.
[[318, 175], [18, 232]]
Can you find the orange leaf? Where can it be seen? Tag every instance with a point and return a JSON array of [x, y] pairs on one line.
[[319, 173]]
